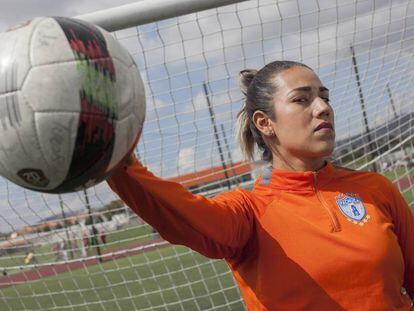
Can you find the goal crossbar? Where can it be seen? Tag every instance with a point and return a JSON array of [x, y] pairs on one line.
[[147, 11]]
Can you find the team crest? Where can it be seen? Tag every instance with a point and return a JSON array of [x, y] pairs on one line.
[[353, 208]]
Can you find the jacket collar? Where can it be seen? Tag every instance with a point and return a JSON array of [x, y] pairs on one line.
[[293, 180]]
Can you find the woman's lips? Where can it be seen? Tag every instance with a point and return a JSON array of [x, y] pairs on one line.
[[324, 126]]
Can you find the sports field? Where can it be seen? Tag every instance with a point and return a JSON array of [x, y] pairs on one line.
[[115, 240], [403, 179], [157, 279], [121, 284]]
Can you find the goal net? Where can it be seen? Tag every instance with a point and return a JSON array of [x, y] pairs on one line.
[[88, 251]]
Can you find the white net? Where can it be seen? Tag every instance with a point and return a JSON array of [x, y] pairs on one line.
[[89, 252]]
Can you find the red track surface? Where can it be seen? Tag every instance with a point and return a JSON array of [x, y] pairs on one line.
[[404, 182]]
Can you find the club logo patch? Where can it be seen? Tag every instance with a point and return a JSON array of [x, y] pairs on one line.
[[34, 177], [353, 208]]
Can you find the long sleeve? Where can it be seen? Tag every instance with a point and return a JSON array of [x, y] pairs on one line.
[[217, 227], [404, 229]]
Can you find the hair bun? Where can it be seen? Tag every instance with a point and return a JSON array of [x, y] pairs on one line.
[[245, 78]]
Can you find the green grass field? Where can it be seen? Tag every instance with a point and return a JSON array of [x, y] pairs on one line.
[[401, 173], [115, 240], [129, 284]]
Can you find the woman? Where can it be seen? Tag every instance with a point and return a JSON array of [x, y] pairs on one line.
[[309, 236]]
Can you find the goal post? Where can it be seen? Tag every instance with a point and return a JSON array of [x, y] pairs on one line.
[[90, 252]]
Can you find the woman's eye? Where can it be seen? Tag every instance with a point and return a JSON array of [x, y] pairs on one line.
[[326, 99], [300, 100]]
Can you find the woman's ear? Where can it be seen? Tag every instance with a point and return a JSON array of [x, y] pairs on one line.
[[263, 123]]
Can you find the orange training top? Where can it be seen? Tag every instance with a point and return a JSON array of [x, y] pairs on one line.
[[329, 240]]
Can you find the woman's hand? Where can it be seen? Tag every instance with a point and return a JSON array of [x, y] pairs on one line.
[[131, 159]]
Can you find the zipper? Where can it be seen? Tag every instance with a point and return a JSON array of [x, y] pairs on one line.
[[336, 226]]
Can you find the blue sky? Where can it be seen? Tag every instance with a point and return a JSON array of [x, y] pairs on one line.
[[178, 136]]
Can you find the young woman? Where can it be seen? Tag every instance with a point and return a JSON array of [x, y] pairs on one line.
[[309, 236]]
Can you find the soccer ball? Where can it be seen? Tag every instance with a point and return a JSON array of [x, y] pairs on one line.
[[72, 104]]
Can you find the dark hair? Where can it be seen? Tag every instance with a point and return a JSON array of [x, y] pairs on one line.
[[259, 88]]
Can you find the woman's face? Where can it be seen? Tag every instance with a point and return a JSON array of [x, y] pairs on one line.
[[304, 120]]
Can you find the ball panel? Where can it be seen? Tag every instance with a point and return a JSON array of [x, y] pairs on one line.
[[95, 64], [92, 152], [139, 96], [126, 133], [14, 57], [49, 44], [87, 43], [124, 90], [19, 147], [116, 49], [54, 87], [57, 134], [10, 112]]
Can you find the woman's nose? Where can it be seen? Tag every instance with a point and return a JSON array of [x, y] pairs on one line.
[[322, 108]]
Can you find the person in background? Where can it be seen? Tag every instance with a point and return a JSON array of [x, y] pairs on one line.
[[85, 238], [30, 258], [57, 250], [309, 236], [102, 234]]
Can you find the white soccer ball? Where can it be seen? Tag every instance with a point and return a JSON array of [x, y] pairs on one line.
[[72, 104]]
